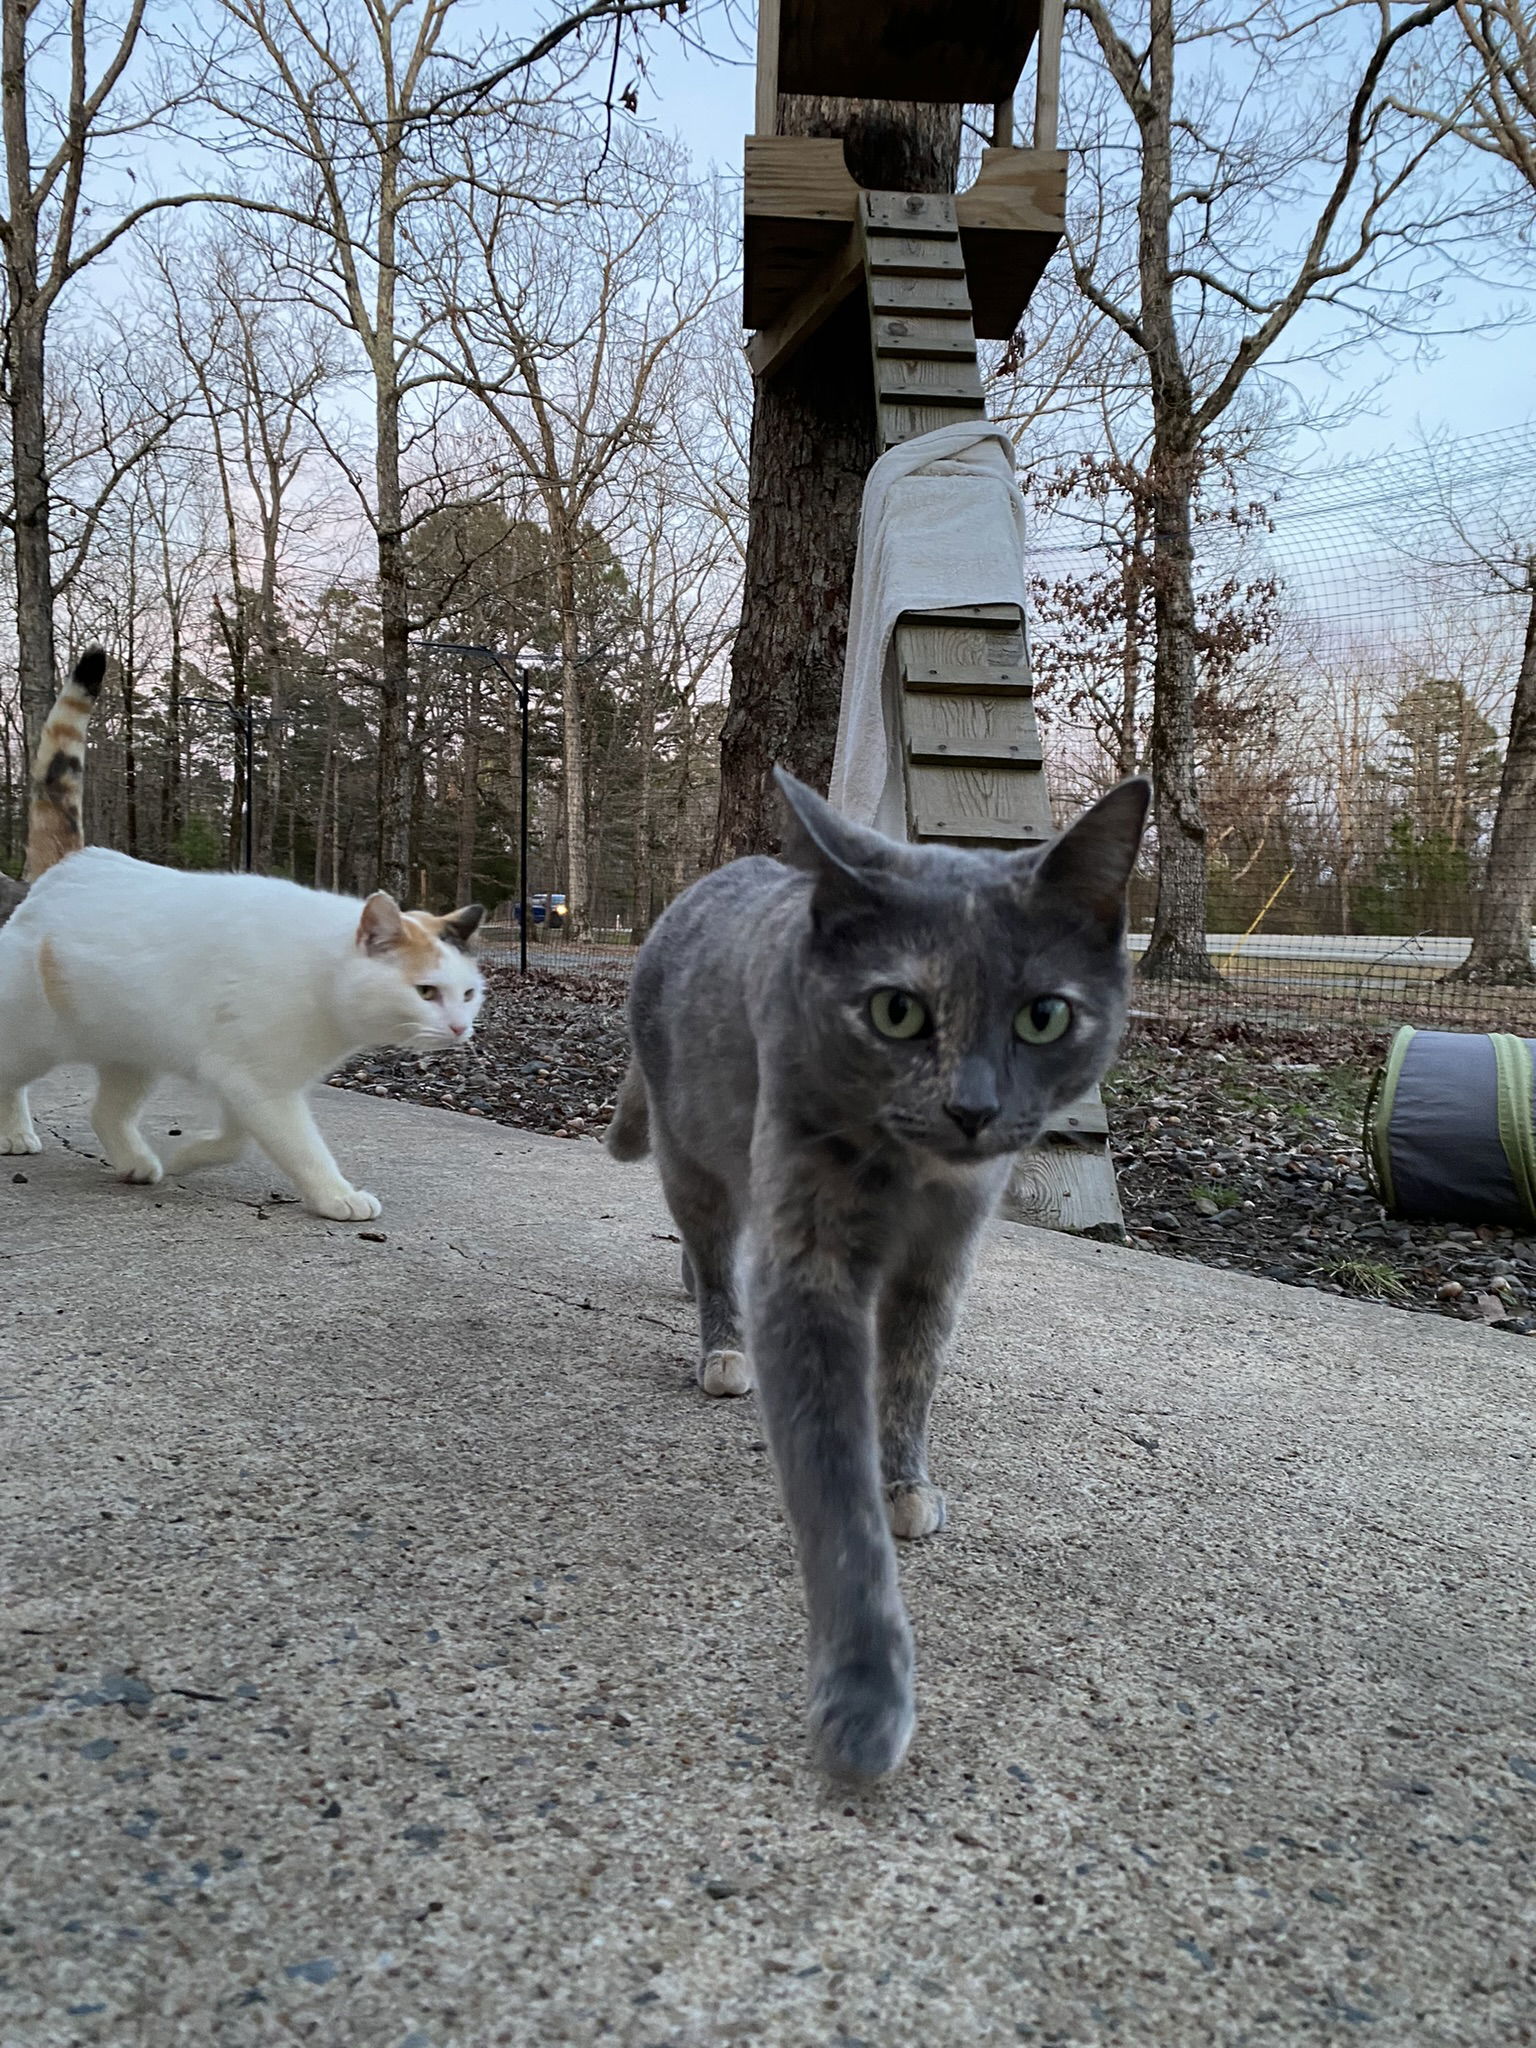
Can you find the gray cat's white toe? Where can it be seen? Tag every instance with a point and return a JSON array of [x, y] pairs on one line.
[[726, 1373], [915, 1511]]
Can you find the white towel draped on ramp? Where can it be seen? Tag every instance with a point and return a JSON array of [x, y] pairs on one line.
[[942, 524]]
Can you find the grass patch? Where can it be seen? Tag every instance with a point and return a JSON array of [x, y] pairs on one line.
[[1224, 1198], [1367, 1276]]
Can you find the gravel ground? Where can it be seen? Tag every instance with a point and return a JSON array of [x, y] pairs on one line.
[[1235, 1148]]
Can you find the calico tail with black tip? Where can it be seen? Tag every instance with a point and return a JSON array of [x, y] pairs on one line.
[[54, 829]]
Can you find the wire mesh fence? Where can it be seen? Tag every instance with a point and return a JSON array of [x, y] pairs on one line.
[[1353, 922]]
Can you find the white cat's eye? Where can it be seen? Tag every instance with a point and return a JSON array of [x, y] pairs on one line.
[[1043, 1021], [429, 993], [895, 1014]]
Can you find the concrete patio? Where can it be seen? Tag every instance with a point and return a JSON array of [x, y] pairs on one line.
[[399, 1651]]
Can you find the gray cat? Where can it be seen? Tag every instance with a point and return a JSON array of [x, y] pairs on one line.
[[836, 1056]]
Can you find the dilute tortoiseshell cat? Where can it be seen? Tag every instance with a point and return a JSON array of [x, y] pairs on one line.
[[250, 987], [836, 1055]]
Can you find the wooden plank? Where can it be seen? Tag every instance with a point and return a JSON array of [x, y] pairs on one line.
[[925, 380], [972, 728], [911, 213], [900, 423], [1048, 73], [979, 803], [979, 614], [973, 676], [1085, 1118], [1055, 1188], [799, 204], [771, 348], [957, 50], [1016, 191], [769, 30], [919, 334], [937, 652], [938, 298], [915, 255]]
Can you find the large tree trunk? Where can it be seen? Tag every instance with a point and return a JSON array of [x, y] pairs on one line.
[[469, 792], [394, 782], [577, 888], [1177, 947], [25, 388], [1501, 942], [813, 440]]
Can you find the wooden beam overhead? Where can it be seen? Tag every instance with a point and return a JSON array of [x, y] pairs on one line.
[[773, 346], [959, 50]]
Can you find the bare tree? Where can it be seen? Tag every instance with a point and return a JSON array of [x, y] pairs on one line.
[[567, 328], [1202, 271]]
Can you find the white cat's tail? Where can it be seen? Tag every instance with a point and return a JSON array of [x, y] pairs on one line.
[[58, 769], [629, 1135]]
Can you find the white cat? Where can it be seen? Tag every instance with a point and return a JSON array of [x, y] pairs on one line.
[[251, 987]]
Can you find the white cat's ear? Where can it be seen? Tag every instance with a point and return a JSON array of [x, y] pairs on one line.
[[823, 843], [1094, 858], [460, 926], [381, 926]]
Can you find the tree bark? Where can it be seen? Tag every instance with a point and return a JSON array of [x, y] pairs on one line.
[[1501, 941], [1177, 946], [394, 782], [469, 791], [813, 441], [25, 387], [577, 887]]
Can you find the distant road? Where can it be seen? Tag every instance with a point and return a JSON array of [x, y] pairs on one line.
[[1326, 948]]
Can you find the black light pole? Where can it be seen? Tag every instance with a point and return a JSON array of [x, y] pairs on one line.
[[520, 678], [245, 724]]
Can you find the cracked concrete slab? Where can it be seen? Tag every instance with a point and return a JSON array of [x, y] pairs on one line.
[[400, 1652]]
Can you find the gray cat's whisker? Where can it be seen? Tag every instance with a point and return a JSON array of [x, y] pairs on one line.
[[835, 1066]]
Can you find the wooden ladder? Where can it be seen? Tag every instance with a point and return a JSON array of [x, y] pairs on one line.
[[975, 770]]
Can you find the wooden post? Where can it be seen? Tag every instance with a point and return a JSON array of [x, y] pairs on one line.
[[1047, 72], [767, 117], [1002, 125]]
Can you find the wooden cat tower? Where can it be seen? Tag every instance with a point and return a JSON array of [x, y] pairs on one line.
[[937, 272]]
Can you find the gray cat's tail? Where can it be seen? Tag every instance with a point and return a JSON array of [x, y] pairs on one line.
[[629, 1135]]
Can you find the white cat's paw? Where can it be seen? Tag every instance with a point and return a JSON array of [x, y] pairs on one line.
[[145, 1173], [347, 1205], [14, 1143], [726, 1372], [914, 1510]]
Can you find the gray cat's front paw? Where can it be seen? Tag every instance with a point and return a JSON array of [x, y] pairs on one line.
[[914, 1509], [726, 1372], [862, 1718]]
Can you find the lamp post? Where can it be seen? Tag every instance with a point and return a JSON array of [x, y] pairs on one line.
[[520, 678]]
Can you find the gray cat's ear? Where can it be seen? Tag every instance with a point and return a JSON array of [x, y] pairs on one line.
[[824, 844], [1093, 859]]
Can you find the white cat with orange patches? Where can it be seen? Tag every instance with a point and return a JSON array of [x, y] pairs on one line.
[[250, 987]]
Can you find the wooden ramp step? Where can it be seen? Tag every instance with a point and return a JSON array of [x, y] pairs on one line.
[[974, 762], [926, 373]]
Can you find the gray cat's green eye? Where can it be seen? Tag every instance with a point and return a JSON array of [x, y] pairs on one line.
[[1043, 1021], [895, 1014]]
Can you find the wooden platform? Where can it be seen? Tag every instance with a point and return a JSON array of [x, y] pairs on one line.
[[965, 50], [802, 207]]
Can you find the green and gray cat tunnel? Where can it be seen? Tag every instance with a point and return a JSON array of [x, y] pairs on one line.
[[1448, 1128]]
